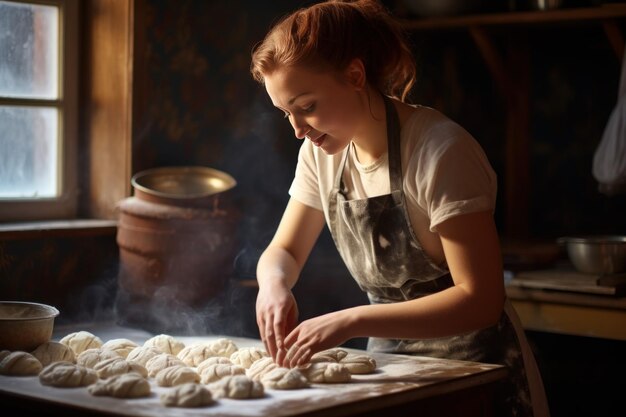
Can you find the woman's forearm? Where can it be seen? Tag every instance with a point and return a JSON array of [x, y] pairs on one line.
[[277, 266]]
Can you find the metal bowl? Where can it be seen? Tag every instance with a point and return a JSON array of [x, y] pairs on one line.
[[24, 326], [596, 254], [183, 186]]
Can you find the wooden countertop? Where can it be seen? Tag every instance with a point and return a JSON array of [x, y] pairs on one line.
[[400, 379]]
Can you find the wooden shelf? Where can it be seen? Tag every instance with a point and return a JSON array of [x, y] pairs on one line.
[[605, 12]]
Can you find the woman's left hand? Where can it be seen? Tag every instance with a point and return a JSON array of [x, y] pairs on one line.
[[317, 334]]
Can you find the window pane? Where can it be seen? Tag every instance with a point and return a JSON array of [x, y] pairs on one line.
[[29, 50], [28, 152]]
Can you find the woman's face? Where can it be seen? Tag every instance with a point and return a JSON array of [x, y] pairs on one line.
[[320, 106]]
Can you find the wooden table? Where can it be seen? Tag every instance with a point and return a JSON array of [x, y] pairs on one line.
[[402, 385]]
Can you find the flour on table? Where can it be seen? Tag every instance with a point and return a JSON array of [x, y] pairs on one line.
[[50, 352], [121, 386], [187, 395], [20, 364], [67, 375], [81, 341]]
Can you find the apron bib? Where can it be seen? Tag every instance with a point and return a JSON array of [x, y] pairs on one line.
[[376, 241]]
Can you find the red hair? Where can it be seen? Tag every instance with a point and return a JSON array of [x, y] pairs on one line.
[[331, 34]]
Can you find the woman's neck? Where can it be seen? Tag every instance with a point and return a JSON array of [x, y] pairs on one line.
[[370, 142]]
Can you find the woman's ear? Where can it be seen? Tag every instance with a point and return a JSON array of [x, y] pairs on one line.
[[355, 74]]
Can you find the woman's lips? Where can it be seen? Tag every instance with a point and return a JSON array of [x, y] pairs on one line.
[[318, 141]]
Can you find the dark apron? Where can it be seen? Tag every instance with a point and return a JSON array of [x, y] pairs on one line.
[[377, 243]]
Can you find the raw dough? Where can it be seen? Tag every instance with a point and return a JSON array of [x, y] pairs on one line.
[[81, 341], [212, 373], [223, 347], [284, 378], [20, 364], [165, 343], [117, 366], [359, 364], [187, 395], [260, 368], [91, 357], [245, 357], [143, 354], [160, 362], [122, 386], [50, 352], [237, 386], [195, 354], [212, 361], [176, 375], [120, 346], [67, 375], [329, 355], [326, 372], [4, 354]]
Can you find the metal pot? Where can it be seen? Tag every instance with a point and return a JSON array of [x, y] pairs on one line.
[[24, 326], [596, 254]]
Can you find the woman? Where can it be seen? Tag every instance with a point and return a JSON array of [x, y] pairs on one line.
[[407, 194]]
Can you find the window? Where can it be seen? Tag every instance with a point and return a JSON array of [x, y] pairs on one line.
[[38, 110]]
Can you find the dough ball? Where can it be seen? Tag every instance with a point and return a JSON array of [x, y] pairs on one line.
[[4, 354], [165, 343], [327, 372], [122, 386], [284, 378], [117, 366], [160, 362], [329, 355], [218, 371], [195, 354], [120, 346], [223, 347], [359, 364], [212, 361], [50, 352], [238, 387], [187, 395], [20, 364], [245, 357], [176, 375], [260, 368], [67, 375], [81, 341], [91, 357], [143, 354]]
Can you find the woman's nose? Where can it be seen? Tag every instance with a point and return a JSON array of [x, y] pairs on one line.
[[300, 128]]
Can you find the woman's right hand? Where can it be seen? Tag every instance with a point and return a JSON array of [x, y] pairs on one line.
[[277, 316]]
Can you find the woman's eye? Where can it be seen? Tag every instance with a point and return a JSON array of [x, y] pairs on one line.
[[309, 109]]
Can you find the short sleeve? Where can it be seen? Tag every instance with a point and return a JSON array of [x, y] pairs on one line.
[[305, 186]]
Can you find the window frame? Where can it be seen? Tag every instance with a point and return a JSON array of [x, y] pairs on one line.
[[65, 205]]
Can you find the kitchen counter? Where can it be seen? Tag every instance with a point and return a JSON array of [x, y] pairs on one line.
[[560, 302], [402, 385]]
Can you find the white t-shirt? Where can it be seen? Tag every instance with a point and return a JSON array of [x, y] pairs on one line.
[[445, 172]]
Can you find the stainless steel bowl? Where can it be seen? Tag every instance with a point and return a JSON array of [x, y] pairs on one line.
[[24, 326], [596, 254]]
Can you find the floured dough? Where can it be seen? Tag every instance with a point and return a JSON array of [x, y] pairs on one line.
[[359, 364], [187, 395], [260, 368], [160, 362], [195, 354], [67, 375], [237, 386], [122, 386], [284, 378], [81, 341], [176, 375], [326, 372], [218, 371], [20, 364], [165, 343], [120, 346], [50, 352], [245, 357], [143, 354], [329, 355], [212, 361], [223, 347], [4, 354], [91, 357], [117, 366]]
